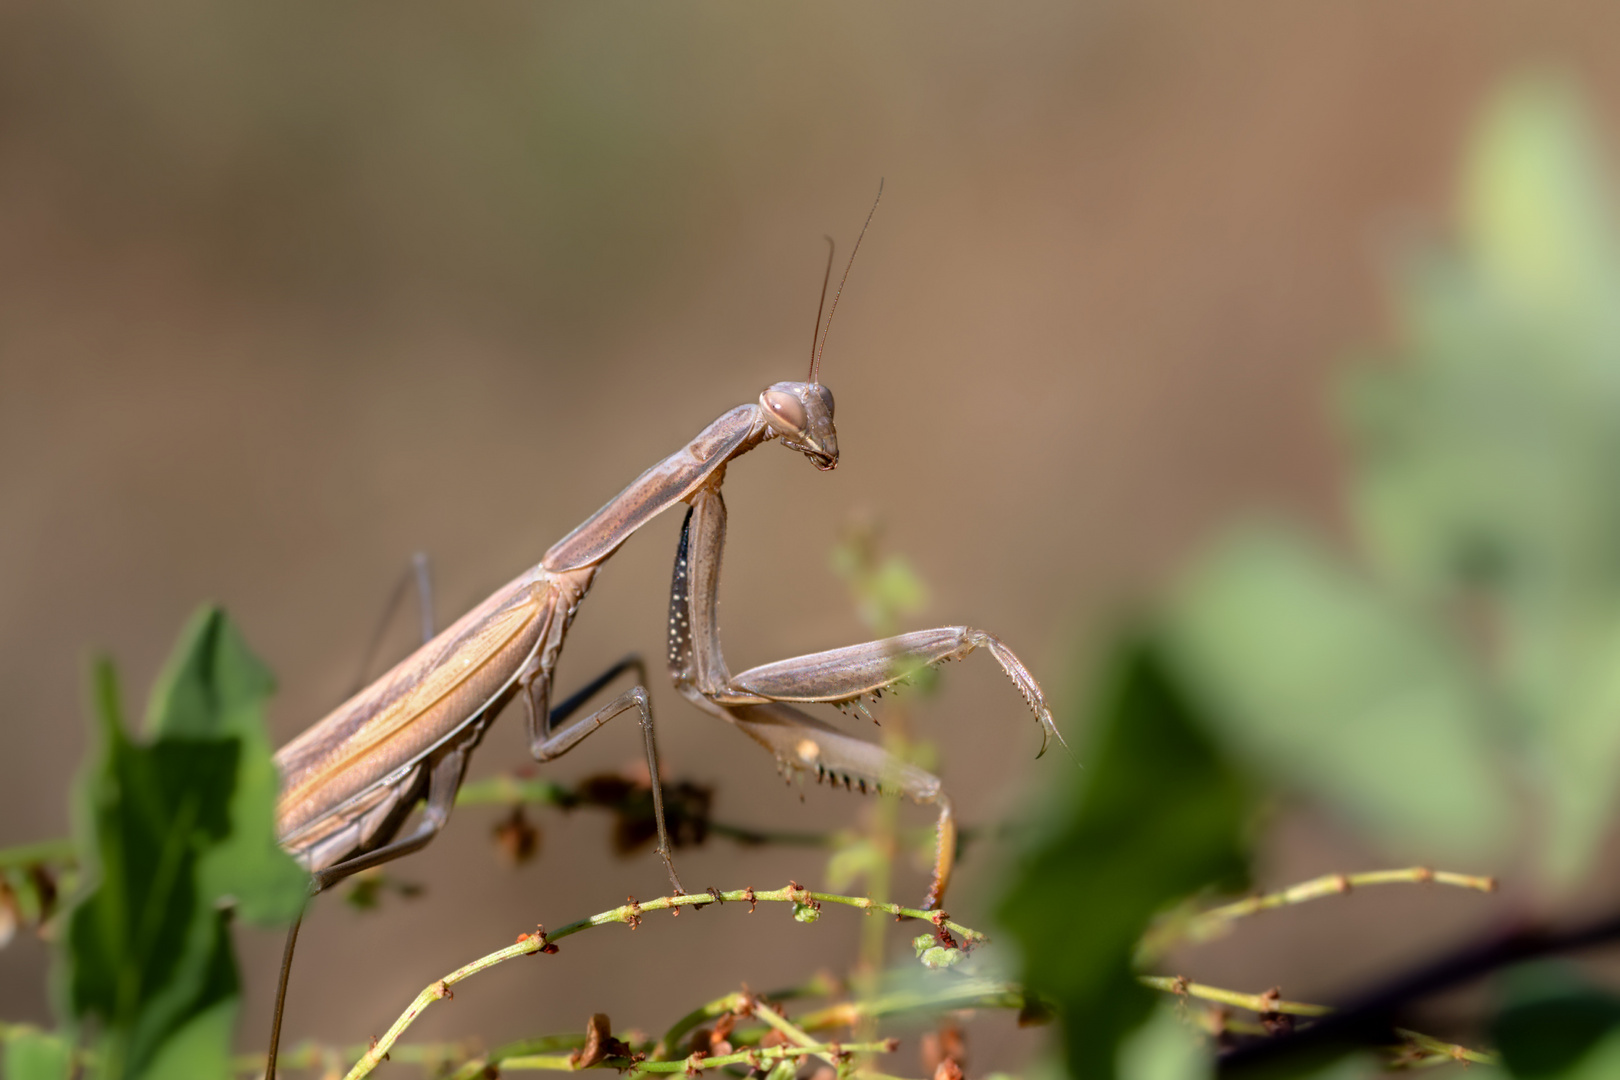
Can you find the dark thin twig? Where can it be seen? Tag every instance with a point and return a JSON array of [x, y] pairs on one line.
[[1369, 1019]]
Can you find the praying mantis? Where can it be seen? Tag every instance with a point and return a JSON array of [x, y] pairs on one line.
[[350, 781]]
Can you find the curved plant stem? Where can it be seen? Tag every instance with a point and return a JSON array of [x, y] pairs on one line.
[[1440, 1051], [632, 913], [795, 1034], [823, 984], [763, 1055], [50, 852], [962, 993], [1208, 925], [1256, 1003], [1337, 884], [1271, 1003]]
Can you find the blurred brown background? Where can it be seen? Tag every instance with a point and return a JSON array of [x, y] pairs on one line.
[[290, 292]]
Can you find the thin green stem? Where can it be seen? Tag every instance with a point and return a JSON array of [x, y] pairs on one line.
[[961, 993], [711, 1010], [1208, 925], [1445, 1051], [515, 791], [512, 791], [820, 985], [45, 852], [1271, 1003], [479, 1067], [1338, 884], [792, 1031], [763, 1055], [632, 913], [1257, 1003]]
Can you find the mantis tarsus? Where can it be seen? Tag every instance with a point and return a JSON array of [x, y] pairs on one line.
[[350, 781]]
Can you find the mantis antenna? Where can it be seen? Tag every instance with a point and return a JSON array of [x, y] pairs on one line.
[[815, 333], [815, 357]]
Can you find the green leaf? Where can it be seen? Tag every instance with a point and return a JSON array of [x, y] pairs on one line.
[[175, 832], [214, 687], [1485, 448], [1337, 691], [1165, 1048], [1161, 815], [1536, 203], [143, 949], [201, 1047], [36, 1055], [1552, 1021], [1601, 1062]]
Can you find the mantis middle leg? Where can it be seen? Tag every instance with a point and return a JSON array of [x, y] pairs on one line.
[[760, 700], [553, 743]]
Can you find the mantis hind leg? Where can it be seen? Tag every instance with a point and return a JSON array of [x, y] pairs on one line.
[[444, 780], [419, 573]]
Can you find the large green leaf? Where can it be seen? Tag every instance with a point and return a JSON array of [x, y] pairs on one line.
[[1486, 447], [144, 949], [1554, 1023], [214, 687], [1167, 1047], [1161, 815], [1338, 692], [36, 1055], [175, 831], [1485, 444], [1601, 1062]]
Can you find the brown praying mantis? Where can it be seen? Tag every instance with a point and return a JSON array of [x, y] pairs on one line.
[[350, 782]]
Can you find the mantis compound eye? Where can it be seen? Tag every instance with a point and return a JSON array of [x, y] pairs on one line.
[[826, 399], [786, 411]]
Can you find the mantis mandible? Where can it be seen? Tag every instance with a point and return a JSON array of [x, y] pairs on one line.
[[350, 781]]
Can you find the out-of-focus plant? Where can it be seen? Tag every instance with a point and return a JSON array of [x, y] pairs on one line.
[[1161, 816], [885, 590], [1451, 690], [176, 839], [1475, 646]]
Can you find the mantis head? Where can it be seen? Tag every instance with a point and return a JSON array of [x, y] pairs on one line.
[[802, 414]]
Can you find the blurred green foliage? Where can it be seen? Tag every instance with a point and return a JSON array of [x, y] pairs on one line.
[[1554, 1024], [1486, 455], [36, 1055], [1472, 660], [1161, 815], [884, 588], [1340, 690], [1452, 691], [177, 837]]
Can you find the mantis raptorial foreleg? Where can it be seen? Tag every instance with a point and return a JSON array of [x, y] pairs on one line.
[[758, 699], [803, 744]]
